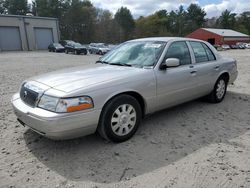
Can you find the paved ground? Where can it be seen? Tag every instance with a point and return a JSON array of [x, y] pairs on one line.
[[192, 145]]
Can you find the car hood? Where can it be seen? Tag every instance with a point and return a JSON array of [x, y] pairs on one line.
[[68, 80]]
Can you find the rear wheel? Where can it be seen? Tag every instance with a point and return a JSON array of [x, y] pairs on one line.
[[219, 91], [120, 118]]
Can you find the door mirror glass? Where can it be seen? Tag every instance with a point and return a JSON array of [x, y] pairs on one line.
[[171, 62]]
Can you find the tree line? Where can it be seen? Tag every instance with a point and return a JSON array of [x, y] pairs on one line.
[[79, 20]]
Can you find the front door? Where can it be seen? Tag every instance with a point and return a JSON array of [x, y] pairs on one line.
[[177, 84]]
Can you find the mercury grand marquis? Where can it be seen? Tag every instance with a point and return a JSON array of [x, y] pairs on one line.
[[112, 95]]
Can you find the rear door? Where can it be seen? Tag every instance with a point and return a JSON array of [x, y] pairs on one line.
[[206, 65], [176, 85]]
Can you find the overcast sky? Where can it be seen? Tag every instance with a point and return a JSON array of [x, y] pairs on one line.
[[146, 7]]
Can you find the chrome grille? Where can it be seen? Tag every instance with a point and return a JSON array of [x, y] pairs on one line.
[[28, 96]]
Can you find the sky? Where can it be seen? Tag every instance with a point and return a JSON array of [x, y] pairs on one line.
[[147, 7]]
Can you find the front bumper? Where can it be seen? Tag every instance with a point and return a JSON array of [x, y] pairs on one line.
[[56, 126]]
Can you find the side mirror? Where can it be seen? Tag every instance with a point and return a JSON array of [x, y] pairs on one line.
[[170, 62]]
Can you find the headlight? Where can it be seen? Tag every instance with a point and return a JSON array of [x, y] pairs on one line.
[[74, 104], [65, 104], [48, 103]]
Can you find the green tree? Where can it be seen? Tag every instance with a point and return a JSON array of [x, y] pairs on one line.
[[2, 8], [243, 23], [17, 7], [125, 22], [195, 17], [79, 20], [227, 20], [154, 25], [104, 27], [50, 8]]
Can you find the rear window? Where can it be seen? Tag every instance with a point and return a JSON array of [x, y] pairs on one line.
[[202, 52], [210, 55], [199, 52]]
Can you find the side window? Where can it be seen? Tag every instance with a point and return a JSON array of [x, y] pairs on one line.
[[210, 54], [180, 51], [199, 52]]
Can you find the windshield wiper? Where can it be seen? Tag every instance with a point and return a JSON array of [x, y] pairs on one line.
[[121, 64], [102, 62]]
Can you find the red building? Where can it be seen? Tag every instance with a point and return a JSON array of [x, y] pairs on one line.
[[219, 36]]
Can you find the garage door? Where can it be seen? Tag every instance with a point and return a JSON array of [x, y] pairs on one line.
[[10, 38], [43, 37]]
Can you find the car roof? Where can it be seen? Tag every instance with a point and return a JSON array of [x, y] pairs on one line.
[[165, 39]]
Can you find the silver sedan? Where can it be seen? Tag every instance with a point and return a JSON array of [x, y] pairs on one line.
[[112, 95]]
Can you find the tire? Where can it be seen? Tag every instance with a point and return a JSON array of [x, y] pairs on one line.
[[219, 91], [85, 53], [66, 51], [76, 53], [120, 127], [100, 53]]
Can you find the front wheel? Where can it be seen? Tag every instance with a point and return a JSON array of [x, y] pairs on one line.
[[219, 91], [120, 118]]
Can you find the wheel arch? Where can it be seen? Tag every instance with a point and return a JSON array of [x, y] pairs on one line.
[[134, 94], [226, 75]]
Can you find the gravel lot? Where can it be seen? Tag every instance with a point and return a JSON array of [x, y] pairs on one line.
[[196, 144]]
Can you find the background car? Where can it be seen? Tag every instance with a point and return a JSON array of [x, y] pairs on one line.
[[225, 47], [66, 42], [241, 45], [233, 46], [98, 48], [55, 47], [76, 48], [247, 46]]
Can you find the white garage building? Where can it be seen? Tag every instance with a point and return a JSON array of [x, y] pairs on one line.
[[27, 32]]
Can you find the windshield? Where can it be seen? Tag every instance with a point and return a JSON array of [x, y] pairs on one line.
[[57, 45], [101, 46], [139, 54], [77, 44]]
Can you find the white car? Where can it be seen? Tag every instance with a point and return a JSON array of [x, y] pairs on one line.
[[247, 46]]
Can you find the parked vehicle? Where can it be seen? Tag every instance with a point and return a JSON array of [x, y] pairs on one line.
[[112, 96], [66, 42], [76, 48], [225, 47], [55, 47], [218, 47], [241, 46], [233, 46], [112, 46], [247, 46], [98, 48]]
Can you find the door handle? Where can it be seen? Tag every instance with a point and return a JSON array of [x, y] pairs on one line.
[[217, 67], [193, 72]]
